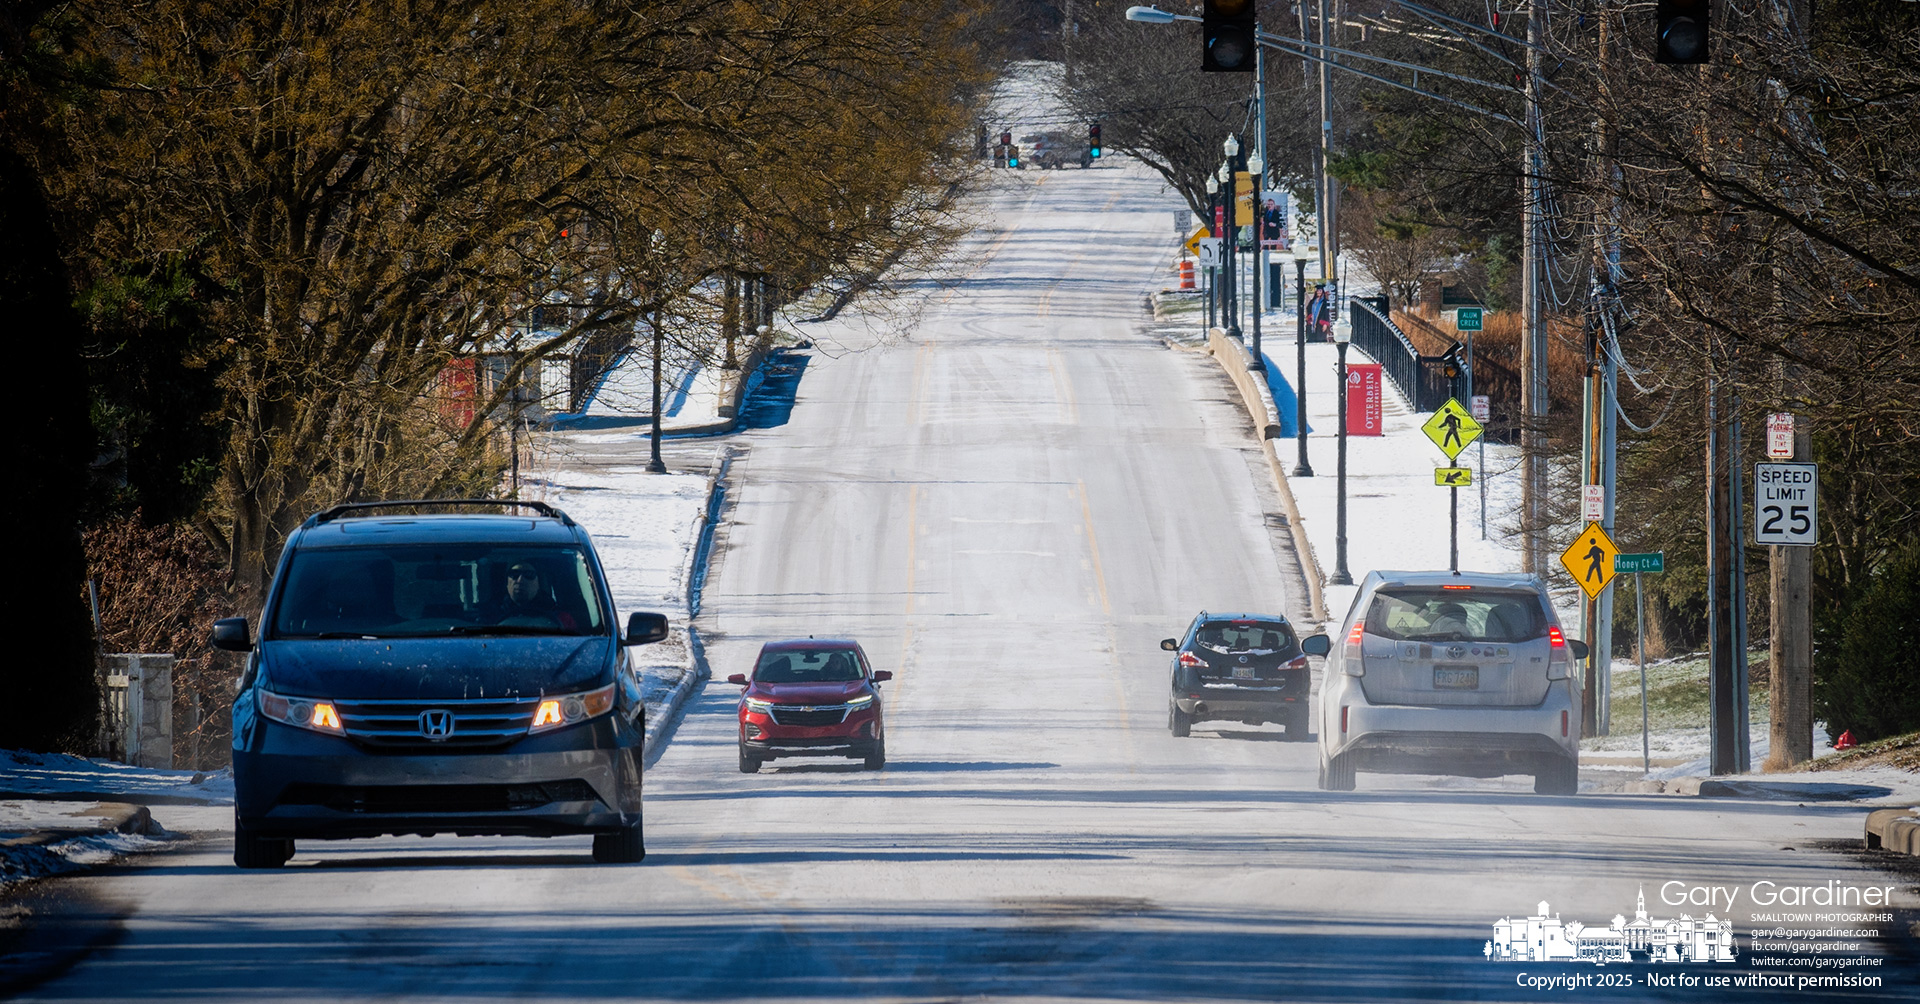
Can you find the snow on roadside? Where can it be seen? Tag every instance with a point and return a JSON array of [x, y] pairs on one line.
[[26, 773]]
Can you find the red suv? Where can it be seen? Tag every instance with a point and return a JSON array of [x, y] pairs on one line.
[[811, 697]]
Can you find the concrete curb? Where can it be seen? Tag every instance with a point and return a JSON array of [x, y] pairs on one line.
[[1752, 788], [665, 721], [1896, 830], [1233, 358]]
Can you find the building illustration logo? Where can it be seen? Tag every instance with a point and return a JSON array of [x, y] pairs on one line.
[[1545, 938]]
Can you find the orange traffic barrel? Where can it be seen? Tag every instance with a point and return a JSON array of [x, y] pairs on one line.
[[1186, 274]]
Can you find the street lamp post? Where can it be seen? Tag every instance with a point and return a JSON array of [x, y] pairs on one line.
[[1256, 167], [1342, 335], [1301, 469], [1213, 277], [1229, 198]]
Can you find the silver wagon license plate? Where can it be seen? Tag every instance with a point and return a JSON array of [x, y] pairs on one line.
[[1456, 678]]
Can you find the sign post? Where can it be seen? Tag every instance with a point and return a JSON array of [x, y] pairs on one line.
[[1451, 428], [1482, 413], [1656, 562]]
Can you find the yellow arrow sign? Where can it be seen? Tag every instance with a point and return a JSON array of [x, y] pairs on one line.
[[1589, 559], [1451, 428], [1193, 241], [1453, 477]]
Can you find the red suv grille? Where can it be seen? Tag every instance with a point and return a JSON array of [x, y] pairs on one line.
[[809, 717]]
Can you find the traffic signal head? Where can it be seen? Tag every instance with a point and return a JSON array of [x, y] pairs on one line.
[[1013, 156], [1680, 31], [1093, 139], [1226, 29]]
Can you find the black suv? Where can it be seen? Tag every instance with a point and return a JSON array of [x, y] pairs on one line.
[[1242, 668], [437, 673]]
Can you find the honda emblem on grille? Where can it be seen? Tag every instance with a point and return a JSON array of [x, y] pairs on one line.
[[436, 723]]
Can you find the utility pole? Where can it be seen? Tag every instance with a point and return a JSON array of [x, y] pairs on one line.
[[1789, 583], [1325, 220], [1533, 343]]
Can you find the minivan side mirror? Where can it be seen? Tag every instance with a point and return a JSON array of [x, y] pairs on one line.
[[1318, 644], [738, 679], [1170, 644], [1578, 648], [645, 628], [882, 675], [232, 634]]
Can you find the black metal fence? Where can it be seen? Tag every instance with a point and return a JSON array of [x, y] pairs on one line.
[[1422, 381]]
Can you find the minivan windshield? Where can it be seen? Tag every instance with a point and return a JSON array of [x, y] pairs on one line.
[[1434, 613], [820, 666], [417, 591]]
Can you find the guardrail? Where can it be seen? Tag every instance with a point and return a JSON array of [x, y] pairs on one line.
[[1421, 381]]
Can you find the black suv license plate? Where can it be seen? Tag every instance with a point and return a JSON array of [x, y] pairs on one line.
[[1456, 678]]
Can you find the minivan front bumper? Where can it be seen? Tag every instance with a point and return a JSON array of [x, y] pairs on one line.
[[293, 783]]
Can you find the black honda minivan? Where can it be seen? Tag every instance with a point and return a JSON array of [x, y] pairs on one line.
[[450, 672]]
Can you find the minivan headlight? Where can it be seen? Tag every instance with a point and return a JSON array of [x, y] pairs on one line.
[[300, 712], [571, 709]]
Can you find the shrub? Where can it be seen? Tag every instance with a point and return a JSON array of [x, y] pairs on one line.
[[1868, 680]]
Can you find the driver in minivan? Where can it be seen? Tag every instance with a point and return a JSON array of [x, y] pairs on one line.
[[525, 597]]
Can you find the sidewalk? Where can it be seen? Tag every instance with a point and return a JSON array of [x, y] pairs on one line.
[[1397, 518]]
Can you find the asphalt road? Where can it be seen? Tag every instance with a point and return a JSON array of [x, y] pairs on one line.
[[1009, 495]]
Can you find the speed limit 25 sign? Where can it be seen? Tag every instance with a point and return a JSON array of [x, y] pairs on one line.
[[1786, 507]]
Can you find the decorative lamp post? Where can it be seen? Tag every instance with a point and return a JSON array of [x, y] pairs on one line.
[[1230, 301], [1256, 167], [1342, 335], [1213, 271], [1301, 468]]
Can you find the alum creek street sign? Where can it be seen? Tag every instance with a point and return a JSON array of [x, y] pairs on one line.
[[1451, 428], [1589, 559], [1786, 504], [1467, 319]]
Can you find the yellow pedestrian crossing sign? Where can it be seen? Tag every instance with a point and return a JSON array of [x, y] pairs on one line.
[[1589, 559], [1451, 428], [1453, 477]]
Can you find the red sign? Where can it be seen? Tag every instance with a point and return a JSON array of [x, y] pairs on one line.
[[1220, 219], [1363, 400]]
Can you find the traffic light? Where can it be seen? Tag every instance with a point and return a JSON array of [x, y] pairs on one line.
[[1680, 31], [1013, 156], [1226, 28], [1093, 140]]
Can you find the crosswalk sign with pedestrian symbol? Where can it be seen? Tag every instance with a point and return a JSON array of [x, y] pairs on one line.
[[1451, 428], [1589, 559]]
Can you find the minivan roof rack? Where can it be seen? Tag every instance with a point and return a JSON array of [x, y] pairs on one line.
[[331, 514]]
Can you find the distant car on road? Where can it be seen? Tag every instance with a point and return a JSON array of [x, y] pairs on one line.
[[1462, 673], [423, 673], [1239, 667], [812, 697]]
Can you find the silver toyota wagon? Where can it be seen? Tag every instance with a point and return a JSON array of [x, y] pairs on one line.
[[1461, 673]]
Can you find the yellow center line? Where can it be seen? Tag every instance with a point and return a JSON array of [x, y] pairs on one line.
[[1062, 387], [1093, 546], [1113, 637]]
